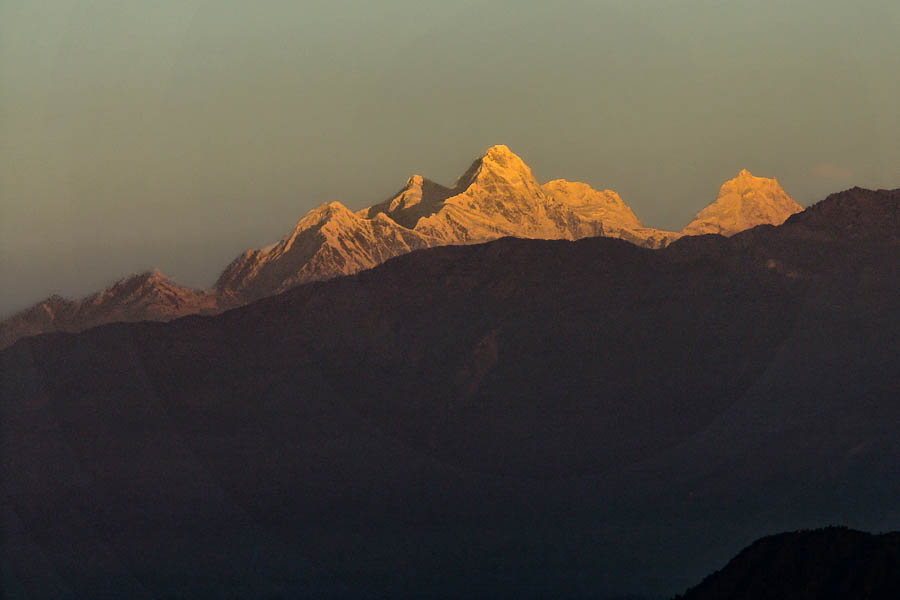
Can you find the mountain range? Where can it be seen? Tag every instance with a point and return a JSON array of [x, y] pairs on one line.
[[518, 418], [498, 196]]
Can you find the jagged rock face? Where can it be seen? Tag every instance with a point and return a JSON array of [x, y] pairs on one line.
[[149, 296], [744, 202], [498, 196], [330, 241], [598, 205], [419, 198], [607, 207]]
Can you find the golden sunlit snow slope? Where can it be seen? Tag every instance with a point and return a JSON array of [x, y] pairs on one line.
[[744, 202], [498, 196]]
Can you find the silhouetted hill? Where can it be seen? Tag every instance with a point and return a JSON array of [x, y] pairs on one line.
[[856, 214], [827, 564], [521, 418]]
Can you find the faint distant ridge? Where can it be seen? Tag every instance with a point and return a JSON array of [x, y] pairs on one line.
[[149, 296], [498, 196], [824, 564]]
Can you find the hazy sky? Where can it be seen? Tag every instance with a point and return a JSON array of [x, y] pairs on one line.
[[176, 133]]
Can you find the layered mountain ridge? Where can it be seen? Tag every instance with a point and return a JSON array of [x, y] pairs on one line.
[[520, 418], [498, 196], [148, 296]]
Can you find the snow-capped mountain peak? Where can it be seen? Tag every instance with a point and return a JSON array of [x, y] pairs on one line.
[[497, 196], [744, 202]]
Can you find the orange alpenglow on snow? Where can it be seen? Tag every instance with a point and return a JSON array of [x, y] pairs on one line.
[[743, 203], [498, 196]]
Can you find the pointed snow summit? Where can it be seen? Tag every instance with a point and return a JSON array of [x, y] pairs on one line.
[[498, 165], [497, 196], [420, 197], [330, 241], [744, 202]]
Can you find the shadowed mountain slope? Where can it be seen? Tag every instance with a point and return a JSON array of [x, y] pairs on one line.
[[828, 564], [863, 216], [521, 418]]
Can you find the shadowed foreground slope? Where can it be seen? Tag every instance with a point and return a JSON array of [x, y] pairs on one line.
[[826, 564], [520, 418]]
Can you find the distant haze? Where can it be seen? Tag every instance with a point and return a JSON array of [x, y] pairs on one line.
[[177, 133]]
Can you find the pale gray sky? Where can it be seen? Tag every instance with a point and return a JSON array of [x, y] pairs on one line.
[[177, 133]]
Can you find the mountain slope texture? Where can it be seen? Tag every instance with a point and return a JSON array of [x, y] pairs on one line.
[[519, 418], [498, 196], [743, 203], [148, 296]]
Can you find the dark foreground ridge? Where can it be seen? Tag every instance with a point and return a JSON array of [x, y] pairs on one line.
[[827, 564], [520, 418]]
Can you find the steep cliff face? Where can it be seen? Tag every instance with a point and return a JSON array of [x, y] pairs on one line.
[[744, 202]]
